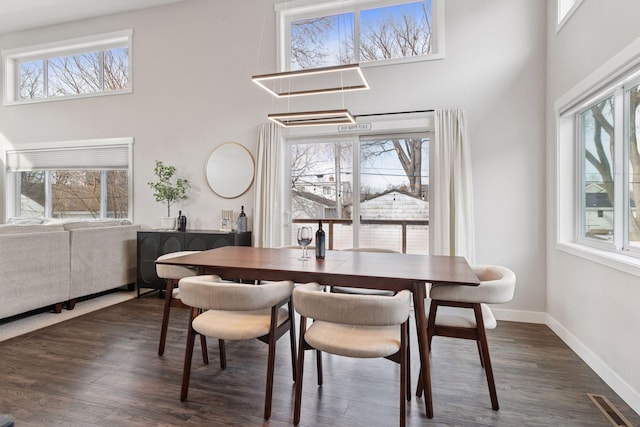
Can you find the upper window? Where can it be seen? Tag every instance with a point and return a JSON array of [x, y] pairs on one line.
[[565, 10], [333, 33], [73, 68]]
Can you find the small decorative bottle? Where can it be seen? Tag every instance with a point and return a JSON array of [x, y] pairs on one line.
[[320, 241], [242, 221]]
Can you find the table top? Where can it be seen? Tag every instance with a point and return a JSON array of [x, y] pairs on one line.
[[342, 268]]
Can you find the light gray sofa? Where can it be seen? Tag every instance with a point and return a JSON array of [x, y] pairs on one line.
[[51, 264]]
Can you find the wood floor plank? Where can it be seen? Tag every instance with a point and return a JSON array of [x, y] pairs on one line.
[[102, 369]]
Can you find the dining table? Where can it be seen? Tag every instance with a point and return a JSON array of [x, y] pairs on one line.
[[373, 270]]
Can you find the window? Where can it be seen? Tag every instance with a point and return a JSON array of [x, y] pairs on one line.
[[75, 68], [609, 172], [86, 180], [327, 34], [390, 173], [566, 8]]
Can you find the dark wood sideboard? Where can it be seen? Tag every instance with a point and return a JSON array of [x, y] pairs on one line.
[[153, 243]]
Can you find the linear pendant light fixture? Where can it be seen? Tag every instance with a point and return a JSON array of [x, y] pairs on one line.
[[313, 118], [339, 78]]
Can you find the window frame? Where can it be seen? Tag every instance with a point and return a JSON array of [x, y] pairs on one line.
[[302, 9], [621, 72], [12, 178], [562, 19], [12, 58]]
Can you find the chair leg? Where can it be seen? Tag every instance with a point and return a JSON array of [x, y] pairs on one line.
[[271, 363], [203, 347], [299, 371], [319, 367], [165, 315], [405, 389], [408, 376], [480, 353], [223, 354], [292, 338], [484, 346], [431, 322], [188, 354]]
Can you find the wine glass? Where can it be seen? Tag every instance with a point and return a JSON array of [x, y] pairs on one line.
[[304, 240]]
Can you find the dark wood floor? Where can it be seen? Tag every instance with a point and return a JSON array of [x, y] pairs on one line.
[[102, 370]]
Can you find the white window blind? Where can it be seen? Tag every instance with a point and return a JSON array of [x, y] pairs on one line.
[[115, 156]]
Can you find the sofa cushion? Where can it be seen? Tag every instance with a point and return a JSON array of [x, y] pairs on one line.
[[29, 228], [78, 225]]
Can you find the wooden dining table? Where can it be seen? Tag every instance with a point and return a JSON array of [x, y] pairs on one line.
[[388, 271]]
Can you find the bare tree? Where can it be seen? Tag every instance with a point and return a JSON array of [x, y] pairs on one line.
[[409, 152], [76, 74], [308, 39], [601, 154]]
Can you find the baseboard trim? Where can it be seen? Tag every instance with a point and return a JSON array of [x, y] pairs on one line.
[[613, 380], [519, 315]]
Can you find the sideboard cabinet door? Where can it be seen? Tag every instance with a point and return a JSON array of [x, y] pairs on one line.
[[152, 244]]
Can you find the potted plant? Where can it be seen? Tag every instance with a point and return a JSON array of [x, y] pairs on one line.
[[168, 190]]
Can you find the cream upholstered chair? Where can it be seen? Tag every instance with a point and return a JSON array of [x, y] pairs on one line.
[[460, 311], [364, 291], [237, 311], [361, 326], [172, 274]]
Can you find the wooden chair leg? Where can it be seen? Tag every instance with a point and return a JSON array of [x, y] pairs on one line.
[[188, 354], [165, 315], [408, 376], [299, 371], [203, 347], [223, 354], [405, 389], [292, 339], [319, 367], [480, 353], [484, 346], [431, 322], [271, 363]]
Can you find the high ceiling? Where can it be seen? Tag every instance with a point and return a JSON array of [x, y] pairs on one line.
[[16, 15]]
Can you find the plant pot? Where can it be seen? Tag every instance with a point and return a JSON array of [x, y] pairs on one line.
[[168, 223]]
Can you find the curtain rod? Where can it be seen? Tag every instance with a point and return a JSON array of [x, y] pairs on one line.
[[395, 112]]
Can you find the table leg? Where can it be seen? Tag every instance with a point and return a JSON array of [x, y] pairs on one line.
[[419, 294]]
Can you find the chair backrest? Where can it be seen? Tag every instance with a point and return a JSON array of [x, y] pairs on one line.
[[208, 295], [372, 310], [497, 285], [381, 250]]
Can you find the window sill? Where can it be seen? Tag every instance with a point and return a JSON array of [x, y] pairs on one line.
[[618, 261]]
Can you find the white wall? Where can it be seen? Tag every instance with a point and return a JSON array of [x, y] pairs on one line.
[[192, 91], [592, 307]]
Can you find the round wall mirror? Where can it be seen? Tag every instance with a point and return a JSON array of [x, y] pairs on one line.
[[230, 170]]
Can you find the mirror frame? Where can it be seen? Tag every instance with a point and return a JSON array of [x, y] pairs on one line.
[[226, 170]]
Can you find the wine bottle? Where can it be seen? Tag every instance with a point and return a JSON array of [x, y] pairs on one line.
[[320, 241], [182, 222], [242, 221]]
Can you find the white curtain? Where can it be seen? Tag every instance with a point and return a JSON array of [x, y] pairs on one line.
[[266, 217], [451, 209]]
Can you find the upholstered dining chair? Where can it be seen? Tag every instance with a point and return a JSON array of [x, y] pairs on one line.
[[360, 326], [238, 311], [364, 291], [459, 311], [172, 274]]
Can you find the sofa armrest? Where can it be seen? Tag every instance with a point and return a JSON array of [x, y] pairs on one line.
[[35, 271], [102, 258]]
